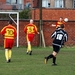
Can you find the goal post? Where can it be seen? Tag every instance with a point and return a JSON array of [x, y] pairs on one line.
[[16, 22]]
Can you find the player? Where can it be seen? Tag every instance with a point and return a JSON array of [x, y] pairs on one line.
[[59, 22], [58, 36], [30, 30], [9, 33]]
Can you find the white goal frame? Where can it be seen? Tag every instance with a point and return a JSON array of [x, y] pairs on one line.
[[17, 23]]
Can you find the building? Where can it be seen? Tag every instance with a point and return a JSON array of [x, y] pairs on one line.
[[53, 9], [58, 3], [22, 4], [17, 4], [11, 4]]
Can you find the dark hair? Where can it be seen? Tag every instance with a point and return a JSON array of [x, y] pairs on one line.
[[10, 22], [61, 17], [62, 26]]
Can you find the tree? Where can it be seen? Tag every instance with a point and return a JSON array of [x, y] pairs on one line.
[[25, 14]]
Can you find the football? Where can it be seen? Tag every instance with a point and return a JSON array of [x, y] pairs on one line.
[[66, 19]]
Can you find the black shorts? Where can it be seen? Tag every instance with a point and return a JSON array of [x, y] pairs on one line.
[[56, 48]]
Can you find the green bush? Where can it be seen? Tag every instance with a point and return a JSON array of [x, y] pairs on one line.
[[25, 14]]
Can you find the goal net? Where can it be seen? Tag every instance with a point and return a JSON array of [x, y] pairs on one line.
[[15, 21]]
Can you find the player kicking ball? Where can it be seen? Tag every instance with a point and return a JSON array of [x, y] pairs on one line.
[[30, 30], [58, 36]]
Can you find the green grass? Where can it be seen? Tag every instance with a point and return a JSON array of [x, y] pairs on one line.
[[23, 64]]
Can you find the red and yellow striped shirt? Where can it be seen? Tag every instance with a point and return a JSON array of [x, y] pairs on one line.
[[59, 23], [9, 32], [30, 29]]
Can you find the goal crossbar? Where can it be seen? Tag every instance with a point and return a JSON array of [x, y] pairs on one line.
[[16, 22]]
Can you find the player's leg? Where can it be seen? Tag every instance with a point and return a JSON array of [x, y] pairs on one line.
[[48, 57], [29, 45], [53, 55], [6, 55], [54, 61], [55, 52], [29, 50], [29, 39], [10, 54], [6, 50], [11, 42]]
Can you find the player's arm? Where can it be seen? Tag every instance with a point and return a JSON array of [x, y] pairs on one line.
[[15, 32], [25, 29], [53, 34], [36, 30], [65, 37], [53, 25], [3, 31]]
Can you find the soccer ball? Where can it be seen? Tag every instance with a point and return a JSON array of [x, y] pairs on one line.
[[66, 19]]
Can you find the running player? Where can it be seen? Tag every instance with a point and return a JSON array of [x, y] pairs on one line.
[[9, 33], [59, 35], [30, 30]]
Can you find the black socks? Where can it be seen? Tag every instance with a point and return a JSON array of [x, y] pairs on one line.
[[54, 60], [51, 56]]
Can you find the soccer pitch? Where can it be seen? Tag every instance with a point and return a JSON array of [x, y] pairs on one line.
[[23, 64]]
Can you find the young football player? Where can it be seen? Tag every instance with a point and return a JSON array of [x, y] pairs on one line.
[[59, 22], [30, 30], [9, 33], [58, 36]]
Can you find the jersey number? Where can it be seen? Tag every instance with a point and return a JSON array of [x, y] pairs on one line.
[[59, 36], [9, 32], [30, 29]]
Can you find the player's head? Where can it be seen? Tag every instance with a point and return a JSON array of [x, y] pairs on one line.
[[10, 22], [62, 26], [31, 21], [61, 19]]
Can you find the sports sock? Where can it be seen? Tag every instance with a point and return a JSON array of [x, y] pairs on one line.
[[50, 56], [6, 54], [29, 47], [54, 60], [10, 53]]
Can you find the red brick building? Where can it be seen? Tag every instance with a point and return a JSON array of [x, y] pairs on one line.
[[17, 4]]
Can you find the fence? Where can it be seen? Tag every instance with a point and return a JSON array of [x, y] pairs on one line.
[[47, 30]]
